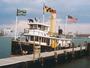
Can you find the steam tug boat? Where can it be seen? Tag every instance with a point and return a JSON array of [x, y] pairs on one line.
[[40, 36]]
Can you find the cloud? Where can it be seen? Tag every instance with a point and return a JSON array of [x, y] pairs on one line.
[[13, 1], [69, 5], [21, 1], [77, 8], [73, 3]]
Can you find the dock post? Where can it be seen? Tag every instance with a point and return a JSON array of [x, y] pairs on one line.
[[40, 47], [73, 52], [81, 50], [25, 65], [20, 47], [65, 55], [55, 53], [34, 50], [42, 61], [56, 56], [88, 49], [80, 47]]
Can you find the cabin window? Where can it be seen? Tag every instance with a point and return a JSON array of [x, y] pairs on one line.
[[42, 39], [46, 28], [39, 38], [35, 26], [43, 28], [39, 27], [32, 38], [48, 41], [27, 38], [36, 38], [31, 26]]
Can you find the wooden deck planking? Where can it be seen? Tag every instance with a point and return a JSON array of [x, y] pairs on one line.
[[25, 58]]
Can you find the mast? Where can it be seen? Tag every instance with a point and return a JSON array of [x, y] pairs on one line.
[[43, 2], [19, 12], [65, 27], [16, 28]]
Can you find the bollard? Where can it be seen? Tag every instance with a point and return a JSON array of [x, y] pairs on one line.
[[42, 61], [65, 55], [88, 49], [56, 56]]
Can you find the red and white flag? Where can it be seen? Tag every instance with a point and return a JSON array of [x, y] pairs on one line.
[[71, 19]]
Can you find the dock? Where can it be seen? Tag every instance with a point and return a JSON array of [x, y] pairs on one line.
[[26, 58]]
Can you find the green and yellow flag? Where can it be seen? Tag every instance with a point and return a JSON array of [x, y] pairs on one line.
[[21, 12]]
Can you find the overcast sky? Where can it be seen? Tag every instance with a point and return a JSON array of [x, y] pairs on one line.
[[77, 8]]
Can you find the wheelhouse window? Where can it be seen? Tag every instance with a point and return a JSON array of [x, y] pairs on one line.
[[39, 27], [43, 28], [33, 26], [46, 28]]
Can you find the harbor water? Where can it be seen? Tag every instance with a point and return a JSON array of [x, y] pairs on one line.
[[5, 47], [5, 51], [78, 63]]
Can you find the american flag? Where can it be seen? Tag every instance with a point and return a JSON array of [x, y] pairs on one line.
[[71, 19]]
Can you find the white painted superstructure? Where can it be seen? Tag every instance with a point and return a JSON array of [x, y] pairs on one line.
[[38, 34]]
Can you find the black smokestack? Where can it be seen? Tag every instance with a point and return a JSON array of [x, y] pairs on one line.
[[60, 31]]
